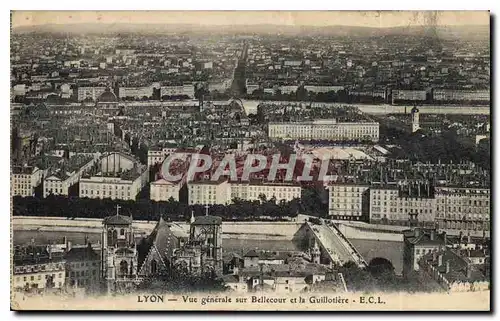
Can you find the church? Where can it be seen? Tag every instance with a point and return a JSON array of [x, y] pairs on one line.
[[126, 262]]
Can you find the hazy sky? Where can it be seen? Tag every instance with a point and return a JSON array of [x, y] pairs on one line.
[[382, 19]]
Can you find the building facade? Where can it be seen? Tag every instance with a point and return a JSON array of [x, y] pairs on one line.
[[391, 205], [90, 93], [162, 190], [463, 209], [417, 243], [24, 180], [209, 192], [324, 130], [253, 191], [348, 202], [37, 268]]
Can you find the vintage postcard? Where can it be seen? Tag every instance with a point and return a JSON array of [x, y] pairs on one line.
[[249, 161]]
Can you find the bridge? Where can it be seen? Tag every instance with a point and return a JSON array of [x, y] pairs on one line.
[[334, 246]]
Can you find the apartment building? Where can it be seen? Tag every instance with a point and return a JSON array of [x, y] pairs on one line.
[[388, 204], [251, 191], [413, 95], [163, 190], [460, 95], [348, 202], [36, 267], [135, 92], [463, 209], [24, 179], [186, 89], [208, 192], [59, 182]]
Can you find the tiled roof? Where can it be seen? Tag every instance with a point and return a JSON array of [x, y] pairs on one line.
[[81, 254], [163, 239], [208, 220], [118, 220]]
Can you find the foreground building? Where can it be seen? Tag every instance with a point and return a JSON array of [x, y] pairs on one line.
[[417, 243], [125, 264], [37, 268], [456, 273]]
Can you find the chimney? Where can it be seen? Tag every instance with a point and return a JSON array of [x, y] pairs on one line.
[[444, 238], [68, 246], [440, 259], [447, 267], [433, 235], [469, 270], [417, 232]]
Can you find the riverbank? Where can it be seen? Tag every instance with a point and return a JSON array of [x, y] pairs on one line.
[[243, 230]]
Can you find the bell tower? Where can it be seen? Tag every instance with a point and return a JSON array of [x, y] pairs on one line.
[[206, 235], [119, 252], [415, 119]]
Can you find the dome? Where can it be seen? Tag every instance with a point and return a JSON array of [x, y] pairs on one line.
[[107, 97]]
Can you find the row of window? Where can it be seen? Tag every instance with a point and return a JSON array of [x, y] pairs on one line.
[[38, 277], [83, 264]]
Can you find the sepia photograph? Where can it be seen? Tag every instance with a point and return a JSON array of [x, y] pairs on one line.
[[250, 160]]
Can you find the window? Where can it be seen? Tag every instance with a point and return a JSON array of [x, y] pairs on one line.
[[123, 268], [154, 267]]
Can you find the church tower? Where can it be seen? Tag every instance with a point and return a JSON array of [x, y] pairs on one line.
[[415, 119], [206, 235], [119, 252]]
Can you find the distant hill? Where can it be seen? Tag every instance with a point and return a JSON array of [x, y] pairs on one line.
[[86, 28]]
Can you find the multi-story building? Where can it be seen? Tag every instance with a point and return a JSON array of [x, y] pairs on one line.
[[463, 209], [209, 192], [461, 95], [120, 177], [412, 95], [135, 92], [36, 267], [90, 92], [456, 273], [158, 156], [163, 190], [325, 129], [252, 191], [288, 89], [24, 180], [322, 89], [60, 182], [348, 202], [186, 89], [417, 243], [83, 268], [402, 205]]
